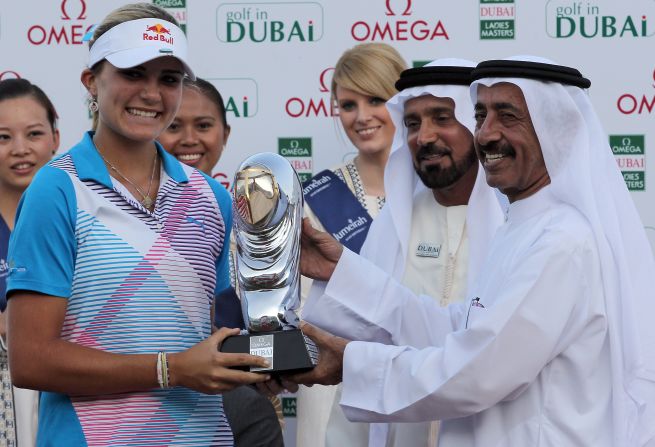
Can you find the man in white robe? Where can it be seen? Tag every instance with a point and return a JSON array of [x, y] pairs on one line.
[[421, 236], [554, 345]]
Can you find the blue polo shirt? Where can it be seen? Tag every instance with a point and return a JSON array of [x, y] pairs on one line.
[[137, 282]]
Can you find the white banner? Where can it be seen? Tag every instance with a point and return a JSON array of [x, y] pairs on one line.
[[272, 61]]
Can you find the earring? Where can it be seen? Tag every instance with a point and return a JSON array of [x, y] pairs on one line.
[[93, 105]]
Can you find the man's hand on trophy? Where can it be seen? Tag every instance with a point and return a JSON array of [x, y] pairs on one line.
[[329, 369], [319, 252], [203, 368]]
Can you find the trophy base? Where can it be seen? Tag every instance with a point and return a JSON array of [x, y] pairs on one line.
[[286, 351]]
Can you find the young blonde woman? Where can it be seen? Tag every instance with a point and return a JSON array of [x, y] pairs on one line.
[[28, 139], [363, 80], [110, 297]]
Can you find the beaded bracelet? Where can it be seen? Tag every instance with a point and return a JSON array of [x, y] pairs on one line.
[[160, 377], [162, 370]]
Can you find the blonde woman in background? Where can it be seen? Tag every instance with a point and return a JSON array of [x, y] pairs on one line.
[[363, 81]]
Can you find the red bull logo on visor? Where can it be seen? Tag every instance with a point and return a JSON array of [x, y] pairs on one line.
[[158, 32]]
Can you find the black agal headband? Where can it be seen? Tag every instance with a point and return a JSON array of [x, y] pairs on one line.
[[530, 70], [415, 77]]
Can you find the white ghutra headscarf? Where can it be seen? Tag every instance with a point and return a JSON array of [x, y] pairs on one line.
[[584, 174], [484, 213]]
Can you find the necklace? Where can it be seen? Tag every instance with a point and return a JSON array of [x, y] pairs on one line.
[[146, 200], [358, 185], [451, 263]]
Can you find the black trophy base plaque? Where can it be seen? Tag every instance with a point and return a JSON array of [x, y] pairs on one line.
[[286, 351]]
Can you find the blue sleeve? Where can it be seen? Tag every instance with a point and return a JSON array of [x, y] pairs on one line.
[[4, 266], [224, 200], [228, 312], [42, 247]]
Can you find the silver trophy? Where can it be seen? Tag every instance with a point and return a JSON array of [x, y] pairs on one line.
[[268, 204]]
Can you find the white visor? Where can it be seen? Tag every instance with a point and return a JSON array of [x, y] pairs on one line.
[[138, 41]]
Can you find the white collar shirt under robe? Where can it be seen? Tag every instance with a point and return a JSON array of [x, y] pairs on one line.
[[525, 365], [437, 258]]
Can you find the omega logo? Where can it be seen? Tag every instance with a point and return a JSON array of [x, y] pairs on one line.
[[406, 12], [66, 16]]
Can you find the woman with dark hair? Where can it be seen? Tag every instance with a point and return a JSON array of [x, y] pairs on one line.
[[28, 139], [109, 304], [199, 131]]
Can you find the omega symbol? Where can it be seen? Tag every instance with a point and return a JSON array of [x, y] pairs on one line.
[[325, 87], [9, 74], [64, 12], [406, 12]]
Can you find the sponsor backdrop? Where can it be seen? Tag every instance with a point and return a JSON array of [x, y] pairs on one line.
[[272, 61]]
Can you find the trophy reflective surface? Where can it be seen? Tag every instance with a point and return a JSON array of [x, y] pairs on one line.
[[267, 223]]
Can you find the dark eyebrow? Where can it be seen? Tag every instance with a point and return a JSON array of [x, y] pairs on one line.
[[142, 68], [35, 125], [177, 72], [497, 106], [412, 115], [432, 111], [505, 106], [438, 110], [30, 126]]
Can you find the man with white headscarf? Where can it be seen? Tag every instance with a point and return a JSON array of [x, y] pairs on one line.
[[425, 236], [556, 344]]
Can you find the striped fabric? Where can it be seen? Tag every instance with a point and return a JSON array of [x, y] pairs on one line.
[[142, 283]]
